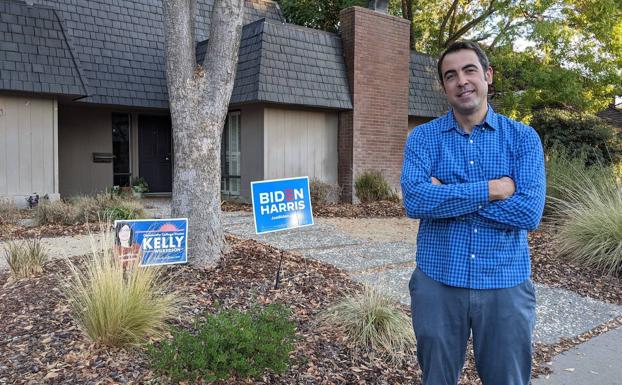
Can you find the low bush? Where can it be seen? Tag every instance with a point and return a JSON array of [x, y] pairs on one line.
[[101, 207], [118, 304], [374, 322], [25, 258], [583, 135], [229, 343], [323, 192], [56, 212], [9, 213], [371, 186], [589, 222]]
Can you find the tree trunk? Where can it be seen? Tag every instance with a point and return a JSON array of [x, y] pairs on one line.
[[199, 97]]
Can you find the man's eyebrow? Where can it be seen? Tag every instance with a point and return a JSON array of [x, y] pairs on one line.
[[471, 65], [449, 72]]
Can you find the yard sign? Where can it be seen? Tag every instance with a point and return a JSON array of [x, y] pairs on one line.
[[152, 241], [281, 204]]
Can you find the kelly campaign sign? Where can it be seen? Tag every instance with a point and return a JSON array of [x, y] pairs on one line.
[[152, 241], [281, 204]]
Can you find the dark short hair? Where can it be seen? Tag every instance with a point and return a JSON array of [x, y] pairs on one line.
[[460, 45]]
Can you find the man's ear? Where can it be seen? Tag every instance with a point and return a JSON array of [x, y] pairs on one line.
[[488, 75]]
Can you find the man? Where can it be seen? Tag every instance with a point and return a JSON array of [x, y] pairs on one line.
[[476, 181]]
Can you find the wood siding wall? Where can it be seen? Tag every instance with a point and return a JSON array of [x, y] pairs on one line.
[[28, 147], [300, 143]]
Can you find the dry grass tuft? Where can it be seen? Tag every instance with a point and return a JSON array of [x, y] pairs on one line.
[[373, 321], [118, 305], [25, 258]]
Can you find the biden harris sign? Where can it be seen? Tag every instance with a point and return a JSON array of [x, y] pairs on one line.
[[281, 204], [152, 241]]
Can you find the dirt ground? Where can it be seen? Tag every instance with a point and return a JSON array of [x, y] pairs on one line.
[[377, 229]]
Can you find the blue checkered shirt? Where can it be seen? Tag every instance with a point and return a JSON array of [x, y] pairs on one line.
[[464, 240]]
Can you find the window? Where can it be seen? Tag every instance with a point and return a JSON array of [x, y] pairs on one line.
[[121, 149], [230, 155]]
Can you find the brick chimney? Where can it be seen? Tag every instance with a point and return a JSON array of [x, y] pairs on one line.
[[377, 57]]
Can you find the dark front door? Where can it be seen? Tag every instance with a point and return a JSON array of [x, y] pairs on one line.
[[155, 152]]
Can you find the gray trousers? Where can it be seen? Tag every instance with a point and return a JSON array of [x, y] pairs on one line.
[[500, 320]]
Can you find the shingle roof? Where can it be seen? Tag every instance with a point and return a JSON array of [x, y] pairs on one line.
[[613, 115], [289, 64], [425, 96], [35, 54], [120, 45]]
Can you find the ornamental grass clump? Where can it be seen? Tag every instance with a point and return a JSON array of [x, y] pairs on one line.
[[25, 258], [9, 213], [229, 343], [118, 304], [374, 322], [589, 220]]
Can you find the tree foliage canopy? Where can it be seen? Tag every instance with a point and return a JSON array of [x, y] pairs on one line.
[[559, 53]]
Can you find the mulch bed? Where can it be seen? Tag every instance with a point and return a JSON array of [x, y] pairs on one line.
[[556, 271], [13, 231], [382, 209], [41, 344]]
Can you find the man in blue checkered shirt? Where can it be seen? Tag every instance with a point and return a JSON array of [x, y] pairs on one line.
[[476, 181]]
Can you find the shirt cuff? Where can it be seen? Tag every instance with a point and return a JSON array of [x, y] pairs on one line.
[[480, 192]]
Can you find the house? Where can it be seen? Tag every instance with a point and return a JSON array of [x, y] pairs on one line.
[[83, 99]]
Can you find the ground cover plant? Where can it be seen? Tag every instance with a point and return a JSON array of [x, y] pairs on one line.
[[228, 343]]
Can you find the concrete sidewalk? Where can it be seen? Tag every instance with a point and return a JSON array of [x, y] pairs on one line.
[[595, 362]]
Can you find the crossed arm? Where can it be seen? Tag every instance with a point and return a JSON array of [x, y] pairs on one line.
[[506, 203]]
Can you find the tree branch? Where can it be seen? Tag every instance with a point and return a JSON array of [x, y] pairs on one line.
[[464, 29], [179, 47], [223, 45], [441, 32]]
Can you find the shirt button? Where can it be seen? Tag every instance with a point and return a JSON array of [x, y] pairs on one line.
[[471, 141], [472, 162], [479, 207], [475, 230], [472, 256]]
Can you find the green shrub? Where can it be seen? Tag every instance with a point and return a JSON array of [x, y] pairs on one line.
[[9, 213], [371, 187], [117, 304], [229, 343], [581, 134], [373, 321], [323, 192], [589, 222], [25, 258]]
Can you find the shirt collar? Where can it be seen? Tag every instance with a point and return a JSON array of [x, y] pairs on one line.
[[449, 121]]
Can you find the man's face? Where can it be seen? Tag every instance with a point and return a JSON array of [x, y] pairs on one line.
[[465, 82]]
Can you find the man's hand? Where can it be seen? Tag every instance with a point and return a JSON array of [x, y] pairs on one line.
[[436, 181], [499, 189]]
